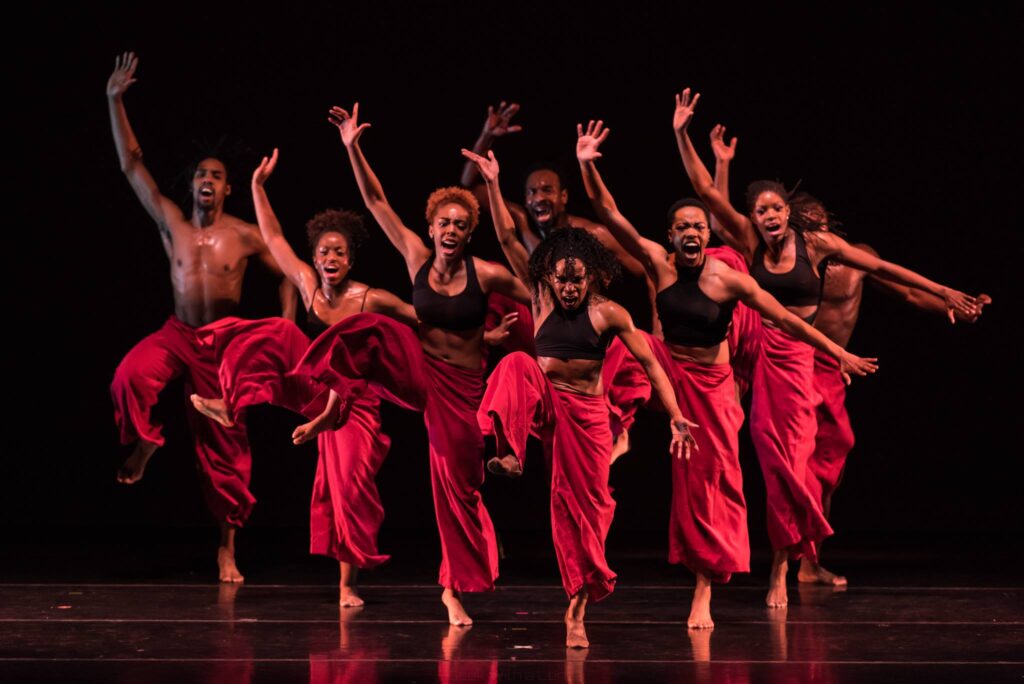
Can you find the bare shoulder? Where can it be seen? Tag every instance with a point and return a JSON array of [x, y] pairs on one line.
[[863, 246], [588, 225], [248, 232], [608, 313], [489, 270]]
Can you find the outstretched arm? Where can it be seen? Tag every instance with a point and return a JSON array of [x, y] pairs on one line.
[[297, 271], [652, 256], [751, 294], [504, 226], [926, 301], [843, 251], [622, 323], [388, 304], [408, 243], [735, 228], [129, 153]]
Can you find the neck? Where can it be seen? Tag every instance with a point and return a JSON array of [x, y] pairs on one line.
[[333, 292], [204, 218], [775, 247], [446, 267], [684, 262]]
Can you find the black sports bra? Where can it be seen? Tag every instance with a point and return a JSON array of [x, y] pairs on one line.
[[571, 335], [314, 326], [464, 311], [797, 287], [690, 317]]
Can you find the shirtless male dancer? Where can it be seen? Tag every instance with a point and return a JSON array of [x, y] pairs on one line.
[[208, 252]]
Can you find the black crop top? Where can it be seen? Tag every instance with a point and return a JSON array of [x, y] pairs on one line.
[[314, 326], [690, 317], [797, 287], [571, 335], [464, 311]]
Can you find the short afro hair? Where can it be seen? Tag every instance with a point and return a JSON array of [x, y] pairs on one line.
[[574, 244], [348, 223], [453, 195]]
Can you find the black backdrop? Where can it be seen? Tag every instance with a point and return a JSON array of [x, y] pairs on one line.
[[903, 120]]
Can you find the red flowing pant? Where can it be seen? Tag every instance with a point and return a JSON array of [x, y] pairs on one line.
[[834, 438], [708, 522], [577, 437], [224, 459], [345, 514], [782, 427], [389, 356], [745, 325]]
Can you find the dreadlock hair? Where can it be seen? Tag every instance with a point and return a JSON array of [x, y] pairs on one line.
[[573, 245], [687, 202], [804, 205], [348, 223]]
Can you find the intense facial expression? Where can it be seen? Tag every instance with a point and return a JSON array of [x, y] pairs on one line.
[[689, 235], [770, 216], [332, 259], [210, 184], [570, 282], [545, 198], [449, 230]]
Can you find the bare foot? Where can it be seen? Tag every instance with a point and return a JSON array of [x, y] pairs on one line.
[[777, 596], [621, 446], [450, 643], [812, 573], [575, 632], [457, 615], [214, 409], [349, 598], [700, 607], [226, 562], [507, 465], [131, 470], [310, 430]]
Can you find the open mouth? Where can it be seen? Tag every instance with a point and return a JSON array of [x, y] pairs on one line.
[[691, 248], [449, 245], [331, 270], [570, 302], [206, 191], [774, 229], [542, 212]]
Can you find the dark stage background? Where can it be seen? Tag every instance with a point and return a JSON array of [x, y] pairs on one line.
[[904, 121]]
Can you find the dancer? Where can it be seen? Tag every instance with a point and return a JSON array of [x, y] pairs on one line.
[[450, 291], [560, 396], [696, 297], [208, 252], [546, 198], [345, 512], [784, 260]]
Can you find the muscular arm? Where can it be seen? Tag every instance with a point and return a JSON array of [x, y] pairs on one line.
[[297, 271], [649, 254], [828, 244], [388, 304], [129, 153], [408, 244], [504, 225], [751, 294], [735, 228], [621, 322]]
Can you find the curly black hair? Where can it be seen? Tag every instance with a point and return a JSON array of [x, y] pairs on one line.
[[573, 244], [348, 223]]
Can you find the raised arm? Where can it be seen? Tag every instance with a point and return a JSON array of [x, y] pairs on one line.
[[297, 271], [723, 158], [408, 243], [129, 153], [735, 228], [751, 294], [504, 226], [497, 124], [651, 255], [830, 244], [620, 321]]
